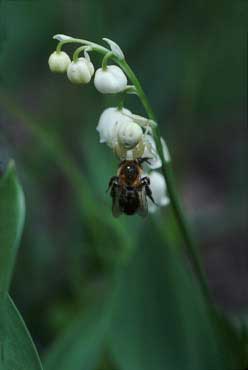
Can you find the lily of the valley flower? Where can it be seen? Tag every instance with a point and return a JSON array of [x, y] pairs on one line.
[[80, 71], [129, 135], [108, 123], [151, 152], [158, 188], [111, 80], [59, 61], [122, 131]]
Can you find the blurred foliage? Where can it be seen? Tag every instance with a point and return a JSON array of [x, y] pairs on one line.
[[191, 61], [16, 347]]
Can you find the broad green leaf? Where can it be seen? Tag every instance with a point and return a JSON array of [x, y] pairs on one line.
[[82, 345], [161, 320], [19, 351], [12, 213], [16, 347]]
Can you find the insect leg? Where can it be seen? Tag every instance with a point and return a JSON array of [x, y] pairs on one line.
[[145, 181], [149, 194], [113, 181]]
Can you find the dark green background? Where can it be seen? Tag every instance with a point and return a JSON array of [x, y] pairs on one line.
[[191, 60]]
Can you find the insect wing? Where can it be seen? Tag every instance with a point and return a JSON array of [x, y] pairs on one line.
[[143, 207], [115, 206]]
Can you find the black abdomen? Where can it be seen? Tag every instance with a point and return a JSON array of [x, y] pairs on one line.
[[129, 201]]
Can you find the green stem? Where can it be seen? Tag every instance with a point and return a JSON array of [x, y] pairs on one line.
[[100, 49], [78, 51], [168, 174], [107, 56], [166, 166]]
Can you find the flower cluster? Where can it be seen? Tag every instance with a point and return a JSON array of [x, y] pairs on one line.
[[130, 136], [108, 79]]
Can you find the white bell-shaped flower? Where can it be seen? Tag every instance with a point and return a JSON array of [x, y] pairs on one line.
[[129, 134], [158, 188], [80, 71], [112, 80], [151, 152], [108, 123], [59, 61]]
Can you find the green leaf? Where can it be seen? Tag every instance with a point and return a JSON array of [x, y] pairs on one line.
[[12, 214], [16, 347], [82, 345], [19, 350], [161, 320]]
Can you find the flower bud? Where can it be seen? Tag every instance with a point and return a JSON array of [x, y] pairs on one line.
[[58, 62], [108, 124], [158, 188], [110, 81], [129, 134], [81, 71]]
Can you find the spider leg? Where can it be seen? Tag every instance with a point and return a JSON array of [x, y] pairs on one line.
[[144, 159]]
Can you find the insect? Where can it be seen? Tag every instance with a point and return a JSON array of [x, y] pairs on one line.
[[129, 191]]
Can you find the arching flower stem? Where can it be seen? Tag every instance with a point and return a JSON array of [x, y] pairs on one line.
[[100, 49], [107, 56], [166, 165], [84, 48]]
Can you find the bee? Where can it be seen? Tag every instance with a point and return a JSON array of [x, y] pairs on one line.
[[129, 191]]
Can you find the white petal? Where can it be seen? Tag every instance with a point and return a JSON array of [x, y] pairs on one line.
[[110, 81], [165, 150], [59, 61], [80, 72], [108, 124], [164, 201], [151, 153], [115, 48], [158, 188]]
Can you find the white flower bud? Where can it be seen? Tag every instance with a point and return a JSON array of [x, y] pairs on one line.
[[129, 134], [158, 188], [108, 124], [81, 71], [110, 81], [58, 62]]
